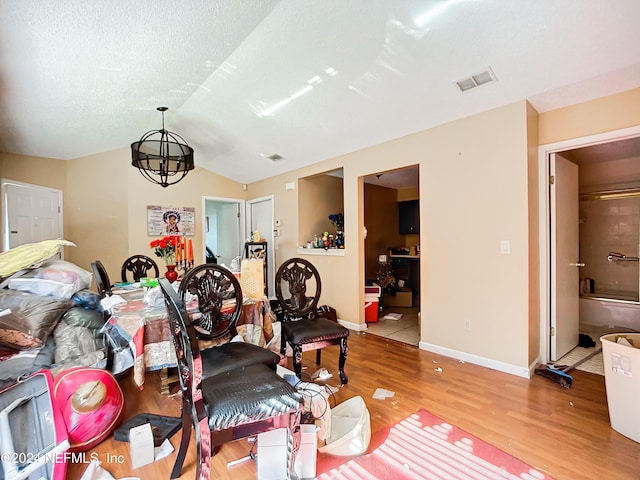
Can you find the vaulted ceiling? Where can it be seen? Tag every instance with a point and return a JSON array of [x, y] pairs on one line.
[[304, 79]]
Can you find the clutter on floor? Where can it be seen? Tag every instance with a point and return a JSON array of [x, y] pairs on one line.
[[350, 432], [91, 402], [381, 394], [392, 316], [162, 427], [45, 440], [621, 353]]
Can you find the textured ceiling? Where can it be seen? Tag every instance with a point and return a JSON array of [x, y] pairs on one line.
[[308, 80]]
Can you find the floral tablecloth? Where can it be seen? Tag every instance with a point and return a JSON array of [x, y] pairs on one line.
[[146, 328]]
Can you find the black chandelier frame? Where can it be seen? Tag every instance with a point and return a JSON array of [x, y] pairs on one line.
[[161, 156]]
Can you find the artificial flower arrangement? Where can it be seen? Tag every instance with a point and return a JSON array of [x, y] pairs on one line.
[[337, 219], [165, 248]]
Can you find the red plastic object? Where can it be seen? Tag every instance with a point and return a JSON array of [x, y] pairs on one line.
[[91, 403]]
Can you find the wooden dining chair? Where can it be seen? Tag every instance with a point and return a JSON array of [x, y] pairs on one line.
[[103, 284], [139, 266], [238, 403], [219, 306], [298, 287]]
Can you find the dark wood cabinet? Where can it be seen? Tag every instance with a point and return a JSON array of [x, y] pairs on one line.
[[409, 217]]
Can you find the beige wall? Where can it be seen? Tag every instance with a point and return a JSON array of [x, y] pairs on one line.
[[473, 193], [605, 114], [105, 203], [478, 178], [609, 175]]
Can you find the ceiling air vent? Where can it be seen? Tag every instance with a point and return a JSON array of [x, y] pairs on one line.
[[476, 80], [275, 157]]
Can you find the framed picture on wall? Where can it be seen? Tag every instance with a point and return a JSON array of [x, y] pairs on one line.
[[170, 220]]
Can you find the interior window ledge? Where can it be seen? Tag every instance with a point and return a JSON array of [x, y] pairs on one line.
[[336, 252]]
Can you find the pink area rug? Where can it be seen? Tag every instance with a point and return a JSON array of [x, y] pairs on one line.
[[423, 446]]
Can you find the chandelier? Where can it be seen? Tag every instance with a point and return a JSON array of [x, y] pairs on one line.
[[161, 155]]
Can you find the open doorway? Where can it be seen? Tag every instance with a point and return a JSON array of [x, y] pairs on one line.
[[223, 229], [392, 251], [602, 293]]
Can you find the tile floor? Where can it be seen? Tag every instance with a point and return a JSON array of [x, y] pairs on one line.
[[404, 329]]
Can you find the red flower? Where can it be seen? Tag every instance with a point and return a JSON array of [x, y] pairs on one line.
[[164, 248]]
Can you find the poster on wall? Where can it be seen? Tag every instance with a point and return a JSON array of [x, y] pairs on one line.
[[170, 220]]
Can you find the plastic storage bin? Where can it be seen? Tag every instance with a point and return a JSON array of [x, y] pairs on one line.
[[622, 381], [350, 429]]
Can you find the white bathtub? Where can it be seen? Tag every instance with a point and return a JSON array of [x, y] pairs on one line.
[[610, 310]]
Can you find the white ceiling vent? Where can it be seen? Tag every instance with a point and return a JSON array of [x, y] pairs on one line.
[[476, 80], [275, 157]]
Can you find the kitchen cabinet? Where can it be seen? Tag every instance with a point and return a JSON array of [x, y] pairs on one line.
[[409, 217], [407, 269]]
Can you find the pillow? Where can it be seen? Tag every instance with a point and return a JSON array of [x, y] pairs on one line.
[[29, 255], [41, 286], [56, 278], [66, 272], [28, 319]]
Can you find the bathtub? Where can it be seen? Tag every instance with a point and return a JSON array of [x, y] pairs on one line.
[[606, 309]]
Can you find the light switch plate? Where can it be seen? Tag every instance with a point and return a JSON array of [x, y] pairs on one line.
[[505, 247]]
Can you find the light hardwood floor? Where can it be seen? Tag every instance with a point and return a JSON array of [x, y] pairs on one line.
[[564, 432]]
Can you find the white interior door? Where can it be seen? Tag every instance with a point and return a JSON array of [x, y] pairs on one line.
[[565, 273], [31, 213], [260, 213]]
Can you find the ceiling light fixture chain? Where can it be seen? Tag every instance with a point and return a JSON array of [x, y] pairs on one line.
[[160, 155]]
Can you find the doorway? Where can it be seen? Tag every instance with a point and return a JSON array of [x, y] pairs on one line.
[[392, 251], [608, 161], [224, 228], [260, 219]]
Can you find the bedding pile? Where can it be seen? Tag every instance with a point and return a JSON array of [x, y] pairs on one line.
[[49, 319]]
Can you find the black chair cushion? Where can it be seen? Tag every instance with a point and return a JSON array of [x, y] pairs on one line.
[[313, 330], [235, 399], [230, 356]]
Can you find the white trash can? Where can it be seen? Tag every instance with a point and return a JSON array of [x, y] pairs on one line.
[[350, 429], [622, 380]]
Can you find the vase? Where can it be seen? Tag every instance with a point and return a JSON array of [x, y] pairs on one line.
[[171, 274]]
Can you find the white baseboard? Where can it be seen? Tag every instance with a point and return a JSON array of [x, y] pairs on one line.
[[359, 327], [477, 360]]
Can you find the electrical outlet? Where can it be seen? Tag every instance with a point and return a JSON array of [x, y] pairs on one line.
[[467, 324], [276, 232]]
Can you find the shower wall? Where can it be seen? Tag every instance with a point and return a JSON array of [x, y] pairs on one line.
[[611, 225]]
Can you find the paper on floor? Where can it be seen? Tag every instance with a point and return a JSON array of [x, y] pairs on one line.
[[392, 316], [381, 394]]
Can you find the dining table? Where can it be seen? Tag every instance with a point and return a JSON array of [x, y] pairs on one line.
[[140, 317]]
